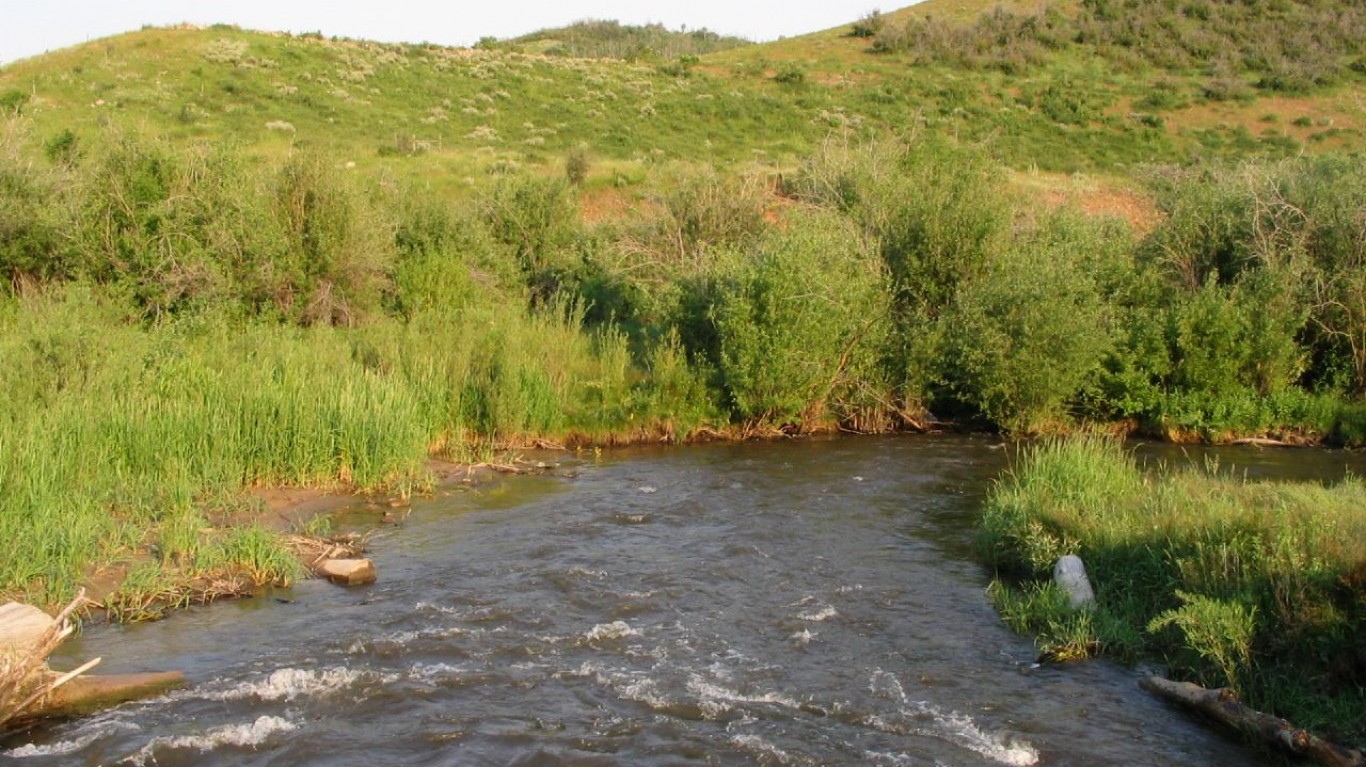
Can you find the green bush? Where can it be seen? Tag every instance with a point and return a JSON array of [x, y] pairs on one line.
[[800, 324], [938, 216], [577, 165], [447, 260], [1027, 336], [868, 26], [338, 251], [33, 214], [1219, 632], [539, 221]]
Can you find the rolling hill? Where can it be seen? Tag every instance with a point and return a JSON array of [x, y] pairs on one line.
[[1040, 94]]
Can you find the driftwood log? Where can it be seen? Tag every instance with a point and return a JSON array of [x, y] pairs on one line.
[[1223, 706], [30, 690], [1268, 442]]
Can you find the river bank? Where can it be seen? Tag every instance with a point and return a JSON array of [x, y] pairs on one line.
[[1232, 582]]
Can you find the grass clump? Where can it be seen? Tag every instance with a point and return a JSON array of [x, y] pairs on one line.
[[1255, 586]]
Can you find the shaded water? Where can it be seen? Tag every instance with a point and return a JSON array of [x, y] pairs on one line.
[[803, 603]]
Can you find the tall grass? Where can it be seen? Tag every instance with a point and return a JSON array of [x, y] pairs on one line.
[[1252, 585], [116, 437]]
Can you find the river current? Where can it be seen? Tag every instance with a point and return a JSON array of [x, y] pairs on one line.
[[795, 603]]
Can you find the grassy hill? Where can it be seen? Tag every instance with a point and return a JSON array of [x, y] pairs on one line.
[[453, 116]]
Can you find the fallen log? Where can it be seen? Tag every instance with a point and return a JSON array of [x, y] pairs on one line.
[[1223, 706], [88, 693], [30, 690], [1266, 442]]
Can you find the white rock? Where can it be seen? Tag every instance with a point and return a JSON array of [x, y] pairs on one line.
[[1070, 574]]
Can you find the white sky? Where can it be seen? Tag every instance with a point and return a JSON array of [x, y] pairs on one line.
[[30, 27]]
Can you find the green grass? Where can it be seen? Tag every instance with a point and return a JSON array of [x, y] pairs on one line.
[[1253, 585], [126, 451], [453, 117], [235, 259]]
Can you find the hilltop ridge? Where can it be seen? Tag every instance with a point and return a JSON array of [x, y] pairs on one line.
[[467, 113]]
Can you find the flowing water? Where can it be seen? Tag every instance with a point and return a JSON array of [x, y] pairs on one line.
[[802, 603]]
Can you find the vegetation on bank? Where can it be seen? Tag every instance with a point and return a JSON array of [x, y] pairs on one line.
[[232, 259], [180, 323], [1256, 586]]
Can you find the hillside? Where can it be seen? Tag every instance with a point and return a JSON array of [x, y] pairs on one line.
[[453, 116]]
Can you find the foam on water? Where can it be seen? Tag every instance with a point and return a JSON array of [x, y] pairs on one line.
[[238, 735], [59, 748], [816, 616], [613, 630], [952, 726], [435, 672], [290, 683], [757, 745], [895, 760], [708, 691], [638, 688]]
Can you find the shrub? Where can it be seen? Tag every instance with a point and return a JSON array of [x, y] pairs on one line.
[[12, 102], [868, 26], [936, 212], [538, 220], [790, 74], [63, 148], [801, 322], [576, 166], [32, 215], [1028, 335], [337, 249], [1219, 632], [448, 261]]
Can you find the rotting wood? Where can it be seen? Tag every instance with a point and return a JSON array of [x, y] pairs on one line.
[[25, 678], [1223, 706], [21, 627]]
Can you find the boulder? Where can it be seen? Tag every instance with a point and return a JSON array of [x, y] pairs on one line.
[[1070, 575], [347, 572]]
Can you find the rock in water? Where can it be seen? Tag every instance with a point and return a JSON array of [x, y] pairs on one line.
[[347, 572], [1070, 574]]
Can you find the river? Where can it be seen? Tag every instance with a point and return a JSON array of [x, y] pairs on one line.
[[811, 602]]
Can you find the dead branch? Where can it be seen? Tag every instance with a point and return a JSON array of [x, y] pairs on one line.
[[1223, 706], [25, 678]]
